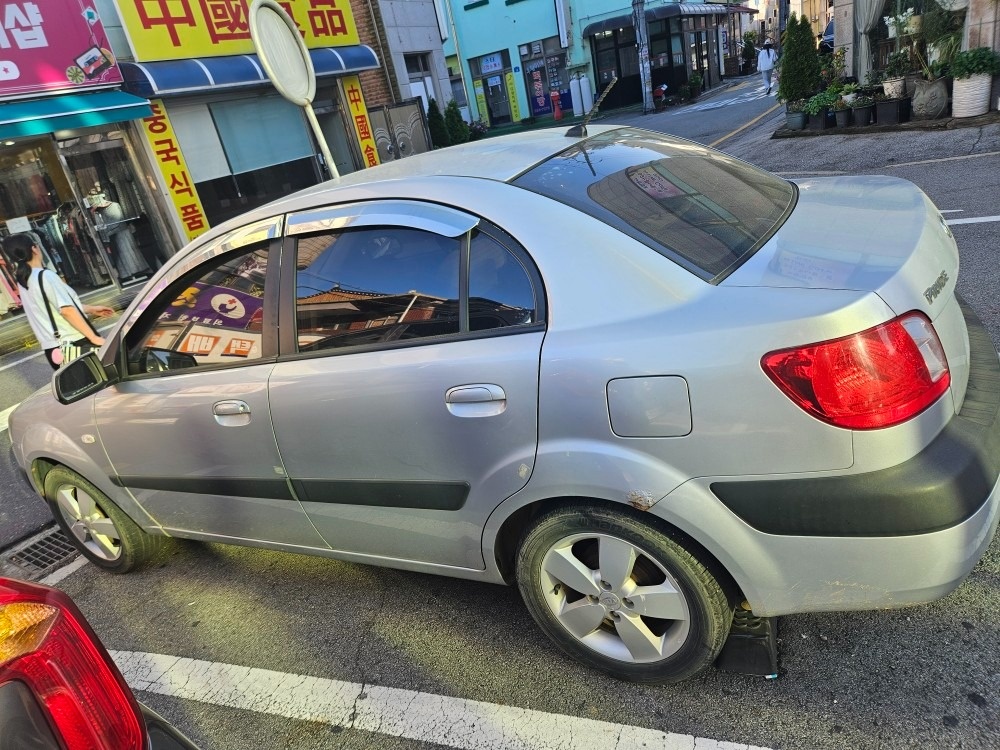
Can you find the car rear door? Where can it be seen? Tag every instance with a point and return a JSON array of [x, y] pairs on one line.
[[187, 428], [404, 402]]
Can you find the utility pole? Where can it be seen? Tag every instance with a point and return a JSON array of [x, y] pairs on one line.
[[642, 46]]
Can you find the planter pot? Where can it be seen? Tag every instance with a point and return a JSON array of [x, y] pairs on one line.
[[971, 96], [818, 121], [894, 88], [848, 98], [930, 99], [892, 111], [795, 120], [863, 115], [843, 117]]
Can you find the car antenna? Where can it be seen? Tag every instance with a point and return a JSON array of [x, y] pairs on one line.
[[580, 130]]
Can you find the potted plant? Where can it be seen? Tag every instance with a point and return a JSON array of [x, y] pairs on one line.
[[891, 111], [894, 82], [849, 92], [749, 52], [694, 84], [863, 108], [898, 24], [817, 107], [795, 114], [973, 71], [799, 68], [939, 40], [841, 112]]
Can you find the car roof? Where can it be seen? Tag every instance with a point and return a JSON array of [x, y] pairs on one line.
[[501, 159]]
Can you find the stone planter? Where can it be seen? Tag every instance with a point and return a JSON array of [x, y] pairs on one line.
[[863, 115], [894, 88], [892, 111], [795, 120], [971, 96], [930, 99], [843, 117]]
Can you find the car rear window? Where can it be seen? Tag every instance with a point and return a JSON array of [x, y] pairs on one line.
[[703, 209]]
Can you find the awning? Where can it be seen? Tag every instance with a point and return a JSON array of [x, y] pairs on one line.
[[666, 11], [40, 116], [173, 77]]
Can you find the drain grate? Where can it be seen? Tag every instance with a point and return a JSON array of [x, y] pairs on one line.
[[50, 551]]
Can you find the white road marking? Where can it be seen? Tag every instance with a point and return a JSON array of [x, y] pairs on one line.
[[742, 98], [17, 362], [974, 220], [4, 415], [53, 578], [952, 210], [426, 717]]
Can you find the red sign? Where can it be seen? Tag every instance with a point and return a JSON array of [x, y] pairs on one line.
[[53, 45]]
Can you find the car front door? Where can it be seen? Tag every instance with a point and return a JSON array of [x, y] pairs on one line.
[[187, 428], [405, 409]]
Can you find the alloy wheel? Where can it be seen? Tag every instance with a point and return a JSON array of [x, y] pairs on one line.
[[88, 522]]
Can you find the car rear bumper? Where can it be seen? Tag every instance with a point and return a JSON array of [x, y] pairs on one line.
[[904, 535], [944, 485]]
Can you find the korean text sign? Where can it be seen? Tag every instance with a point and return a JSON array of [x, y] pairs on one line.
[[179, 29], [362, 123], [53, 45], [177, 178]]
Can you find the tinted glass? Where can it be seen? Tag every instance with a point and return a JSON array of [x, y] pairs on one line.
[[701, 208], [500, 292], [374, 285], [216, 317]]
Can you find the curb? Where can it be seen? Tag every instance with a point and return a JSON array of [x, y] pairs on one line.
[[941, 123]]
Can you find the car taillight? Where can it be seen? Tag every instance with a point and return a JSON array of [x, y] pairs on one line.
[[47, 645], [876, 378]]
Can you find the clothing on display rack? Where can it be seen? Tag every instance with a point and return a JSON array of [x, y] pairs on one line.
[[115, 229]]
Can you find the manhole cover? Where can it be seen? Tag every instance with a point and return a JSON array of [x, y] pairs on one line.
[[50, 551]]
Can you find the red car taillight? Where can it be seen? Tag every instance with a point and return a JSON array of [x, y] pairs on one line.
[[876, 378], [46, 644]]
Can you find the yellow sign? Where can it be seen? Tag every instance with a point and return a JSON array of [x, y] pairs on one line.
[[359, 116], [515, 110], [178, 29], [176, 177], [484, 114]]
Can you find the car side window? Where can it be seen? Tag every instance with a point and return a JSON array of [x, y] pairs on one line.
[[213, 315], [375, 285], [500, 290]]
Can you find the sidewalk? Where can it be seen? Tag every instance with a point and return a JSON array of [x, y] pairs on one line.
[[16, 335]]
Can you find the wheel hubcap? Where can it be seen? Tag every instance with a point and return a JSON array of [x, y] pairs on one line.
[[88, 523], [615, 598]]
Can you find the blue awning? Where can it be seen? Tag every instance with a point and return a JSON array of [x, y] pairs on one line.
[[40, 116], [174, 77]]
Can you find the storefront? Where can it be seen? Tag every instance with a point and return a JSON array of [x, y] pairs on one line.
[[67, 165], [684, 38], [222, 139]]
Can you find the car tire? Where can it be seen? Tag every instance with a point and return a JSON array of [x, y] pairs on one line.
[[99, 529], [621, 596]]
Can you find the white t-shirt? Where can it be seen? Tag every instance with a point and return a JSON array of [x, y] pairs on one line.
[[765, 59], [59, 296]]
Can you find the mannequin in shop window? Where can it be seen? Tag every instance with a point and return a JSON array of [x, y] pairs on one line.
[[109, 218]]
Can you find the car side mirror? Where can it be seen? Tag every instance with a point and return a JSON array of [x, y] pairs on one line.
[[80, 378]]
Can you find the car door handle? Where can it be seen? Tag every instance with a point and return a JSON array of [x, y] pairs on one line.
[[231, 413], [476, 400]]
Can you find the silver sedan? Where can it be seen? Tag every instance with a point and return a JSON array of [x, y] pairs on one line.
[[648, 383]]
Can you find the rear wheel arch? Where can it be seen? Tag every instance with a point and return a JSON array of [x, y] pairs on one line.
[[512, 530]]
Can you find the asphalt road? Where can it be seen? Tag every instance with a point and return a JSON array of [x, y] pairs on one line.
[[309, 633]]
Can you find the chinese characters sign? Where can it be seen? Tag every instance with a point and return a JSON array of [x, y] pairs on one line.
[[515, 109], [176, 177], [359, 116], [53, 45], [177, 29]]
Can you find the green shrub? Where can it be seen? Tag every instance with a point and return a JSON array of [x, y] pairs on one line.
[[458, 128], [800, 63], [436, 124], [975, 61]]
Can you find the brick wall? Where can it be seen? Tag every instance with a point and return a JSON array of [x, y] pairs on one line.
[[378, 85]]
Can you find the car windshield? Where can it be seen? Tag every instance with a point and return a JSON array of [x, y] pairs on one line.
[[703, 209]]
